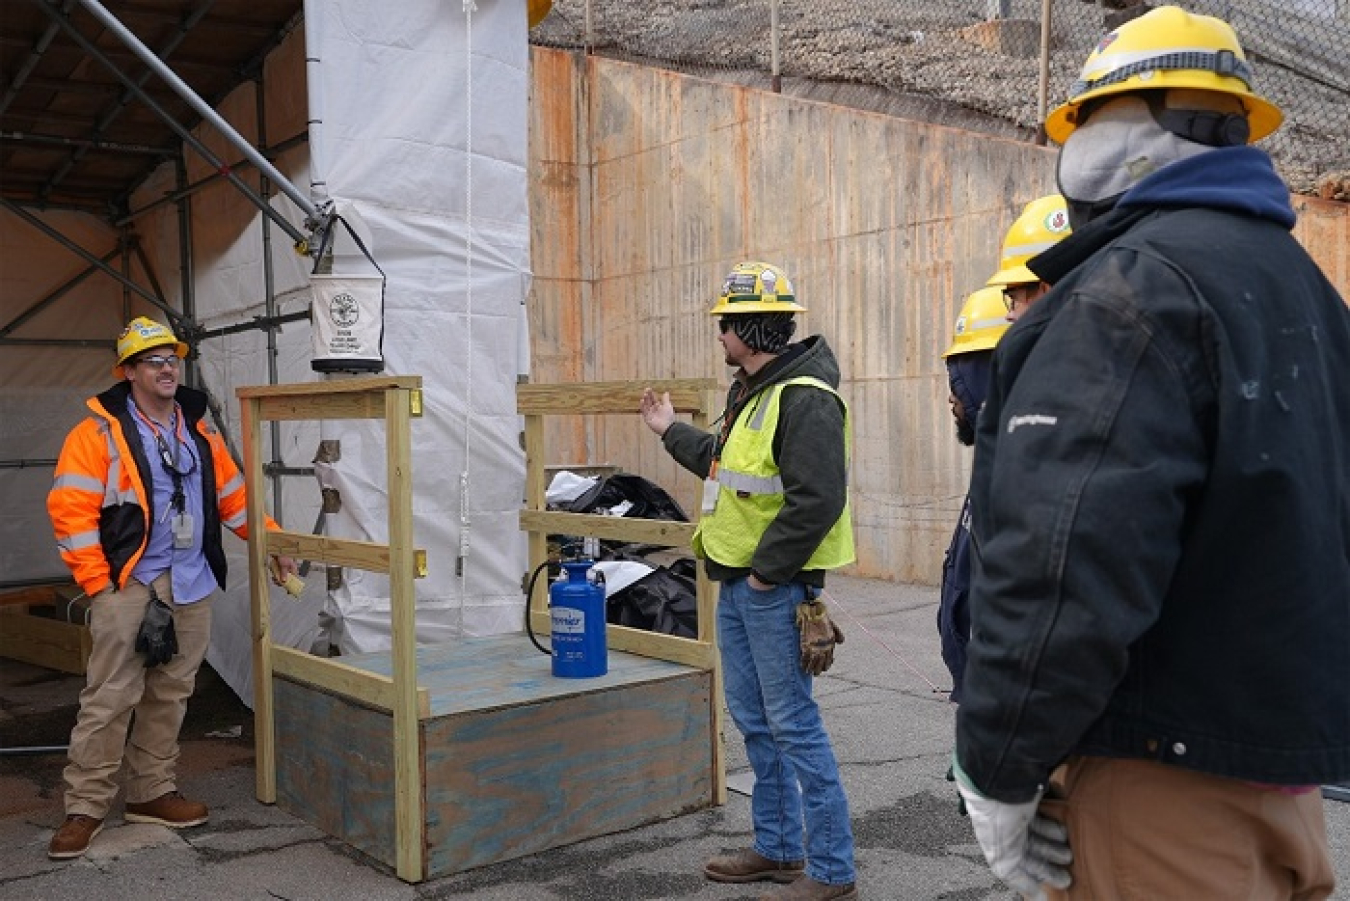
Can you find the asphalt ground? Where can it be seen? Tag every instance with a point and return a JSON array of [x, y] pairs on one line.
[[892, 733]]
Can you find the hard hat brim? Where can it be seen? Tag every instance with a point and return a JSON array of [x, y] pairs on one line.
[[1013, 275], [985, 339], [178, 347], [1263, 117], [726, 308]]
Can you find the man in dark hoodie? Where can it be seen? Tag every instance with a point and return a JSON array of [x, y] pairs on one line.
[[1161, 500], [775, 518], [984, 317], [982, 321]]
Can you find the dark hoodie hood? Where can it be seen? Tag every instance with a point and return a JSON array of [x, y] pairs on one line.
[[809, 357], [1238, 180], [1234, 179], [968, 376]]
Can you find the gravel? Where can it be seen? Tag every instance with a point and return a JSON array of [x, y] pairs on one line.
[[923, 51]]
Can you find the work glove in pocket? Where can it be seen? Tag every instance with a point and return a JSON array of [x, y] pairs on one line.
[[156, 638], [819, 636]]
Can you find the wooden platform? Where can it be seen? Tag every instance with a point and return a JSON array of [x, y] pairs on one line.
[[514, 760], [45, 626]]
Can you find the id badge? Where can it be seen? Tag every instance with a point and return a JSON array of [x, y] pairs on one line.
[[182, 531], [711, 489]]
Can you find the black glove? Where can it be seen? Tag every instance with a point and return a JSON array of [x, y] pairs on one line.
[[156, 638]]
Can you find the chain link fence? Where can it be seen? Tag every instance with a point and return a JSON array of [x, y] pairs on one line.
[[995, 65]]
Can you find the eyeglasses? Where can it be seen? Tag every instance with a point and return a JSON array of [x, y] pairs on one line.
[[159, 362], [1016, 297]]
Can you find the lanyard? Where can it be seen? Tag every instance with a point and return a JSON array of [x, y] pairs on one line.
[[170, 460], [736, 403]]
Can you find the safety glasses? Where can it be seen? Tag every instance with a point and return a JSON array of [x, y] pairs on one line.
[[158, 362]]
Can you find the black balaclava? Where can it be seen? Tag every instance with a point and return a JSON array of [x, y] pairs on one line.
[[765, 332], [968, 375]]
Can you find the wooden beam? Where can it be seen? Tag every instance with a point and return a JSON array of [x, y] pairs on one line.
[[374, 384], [348, 399], [662, 532], [656, 645], [264, 726], [22, 597], [608, 397], [371, 689], [363, 555], [51, 643], [409, 823], [535, 494]]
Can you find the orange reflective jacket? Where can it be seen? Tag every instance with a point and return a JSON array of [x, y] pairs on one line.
[[99, 503]]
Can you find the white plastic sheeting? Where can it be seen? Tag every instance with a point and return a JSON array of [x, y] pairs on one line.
[[43, 388], [425, 135], [424, 143]]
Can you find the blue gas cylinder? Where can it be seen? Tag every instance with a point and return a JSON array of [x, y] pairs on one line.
[[577, 611]]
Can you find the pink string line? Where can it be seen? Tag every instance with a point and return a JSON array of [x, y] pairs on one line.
[[894, 653]]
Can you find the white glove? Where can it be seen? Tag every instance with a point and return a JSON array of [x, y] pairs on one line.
[[1023, 848]]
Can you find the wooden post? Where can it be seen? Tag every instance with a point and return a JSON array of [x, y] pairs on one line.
[[407, 733], [707, 628], [264, 732]]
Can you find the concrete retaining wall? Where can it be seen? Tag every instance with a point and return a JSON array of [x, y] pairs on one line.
[[648, 185]]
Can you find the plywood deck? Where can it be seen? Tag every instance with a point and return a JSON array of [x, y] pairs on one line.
[[504, 670]]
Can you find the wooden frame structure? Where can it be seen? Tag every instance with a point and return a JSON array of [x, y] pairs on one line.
[[55, 643], [698, 397], [396, 400]]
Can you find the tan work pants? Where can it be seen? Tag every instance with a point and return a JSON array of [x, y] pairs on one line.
[[118, 685], [1146, 831]]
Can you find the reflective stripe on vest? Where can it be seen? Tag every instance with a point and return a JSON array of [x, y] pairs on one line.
[[112, 495], [750, 489]]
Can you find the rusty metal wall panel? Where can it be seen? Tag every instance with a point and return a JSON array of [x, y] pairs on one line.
[[885, 225], [1324, 228]]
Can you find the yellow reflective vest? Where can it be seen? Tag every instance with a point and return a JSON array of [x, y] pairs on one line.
[[750, 490]]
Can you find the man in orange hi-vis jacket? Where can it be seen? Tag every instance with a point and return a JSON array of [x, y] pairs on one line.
[[142, 488]]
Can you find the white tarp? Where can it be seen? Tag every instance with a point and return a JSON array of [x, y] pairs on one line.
[[404, 98], [417, 108]]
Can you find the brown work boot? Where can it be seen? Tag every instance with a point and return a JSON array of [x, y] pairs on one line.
[[751, 866], [172, 810], [807, 889], [73, 837]]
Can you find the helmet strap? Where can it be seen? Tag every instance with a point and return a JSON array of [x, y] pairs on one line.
[[1203, 126]]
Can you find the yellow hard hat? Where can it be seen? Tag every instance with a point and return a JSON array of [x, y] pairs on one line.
[[982, 321], [1166, 48], [142, 334], [536, 10], [1044, 222], [753, 287]]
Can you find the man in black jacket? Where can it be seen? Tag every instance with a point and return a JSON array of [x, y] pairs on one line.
[[1161, 497]]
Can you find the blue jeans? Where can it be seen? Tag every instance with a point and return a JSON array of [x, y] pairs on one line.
[[769, 698]]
